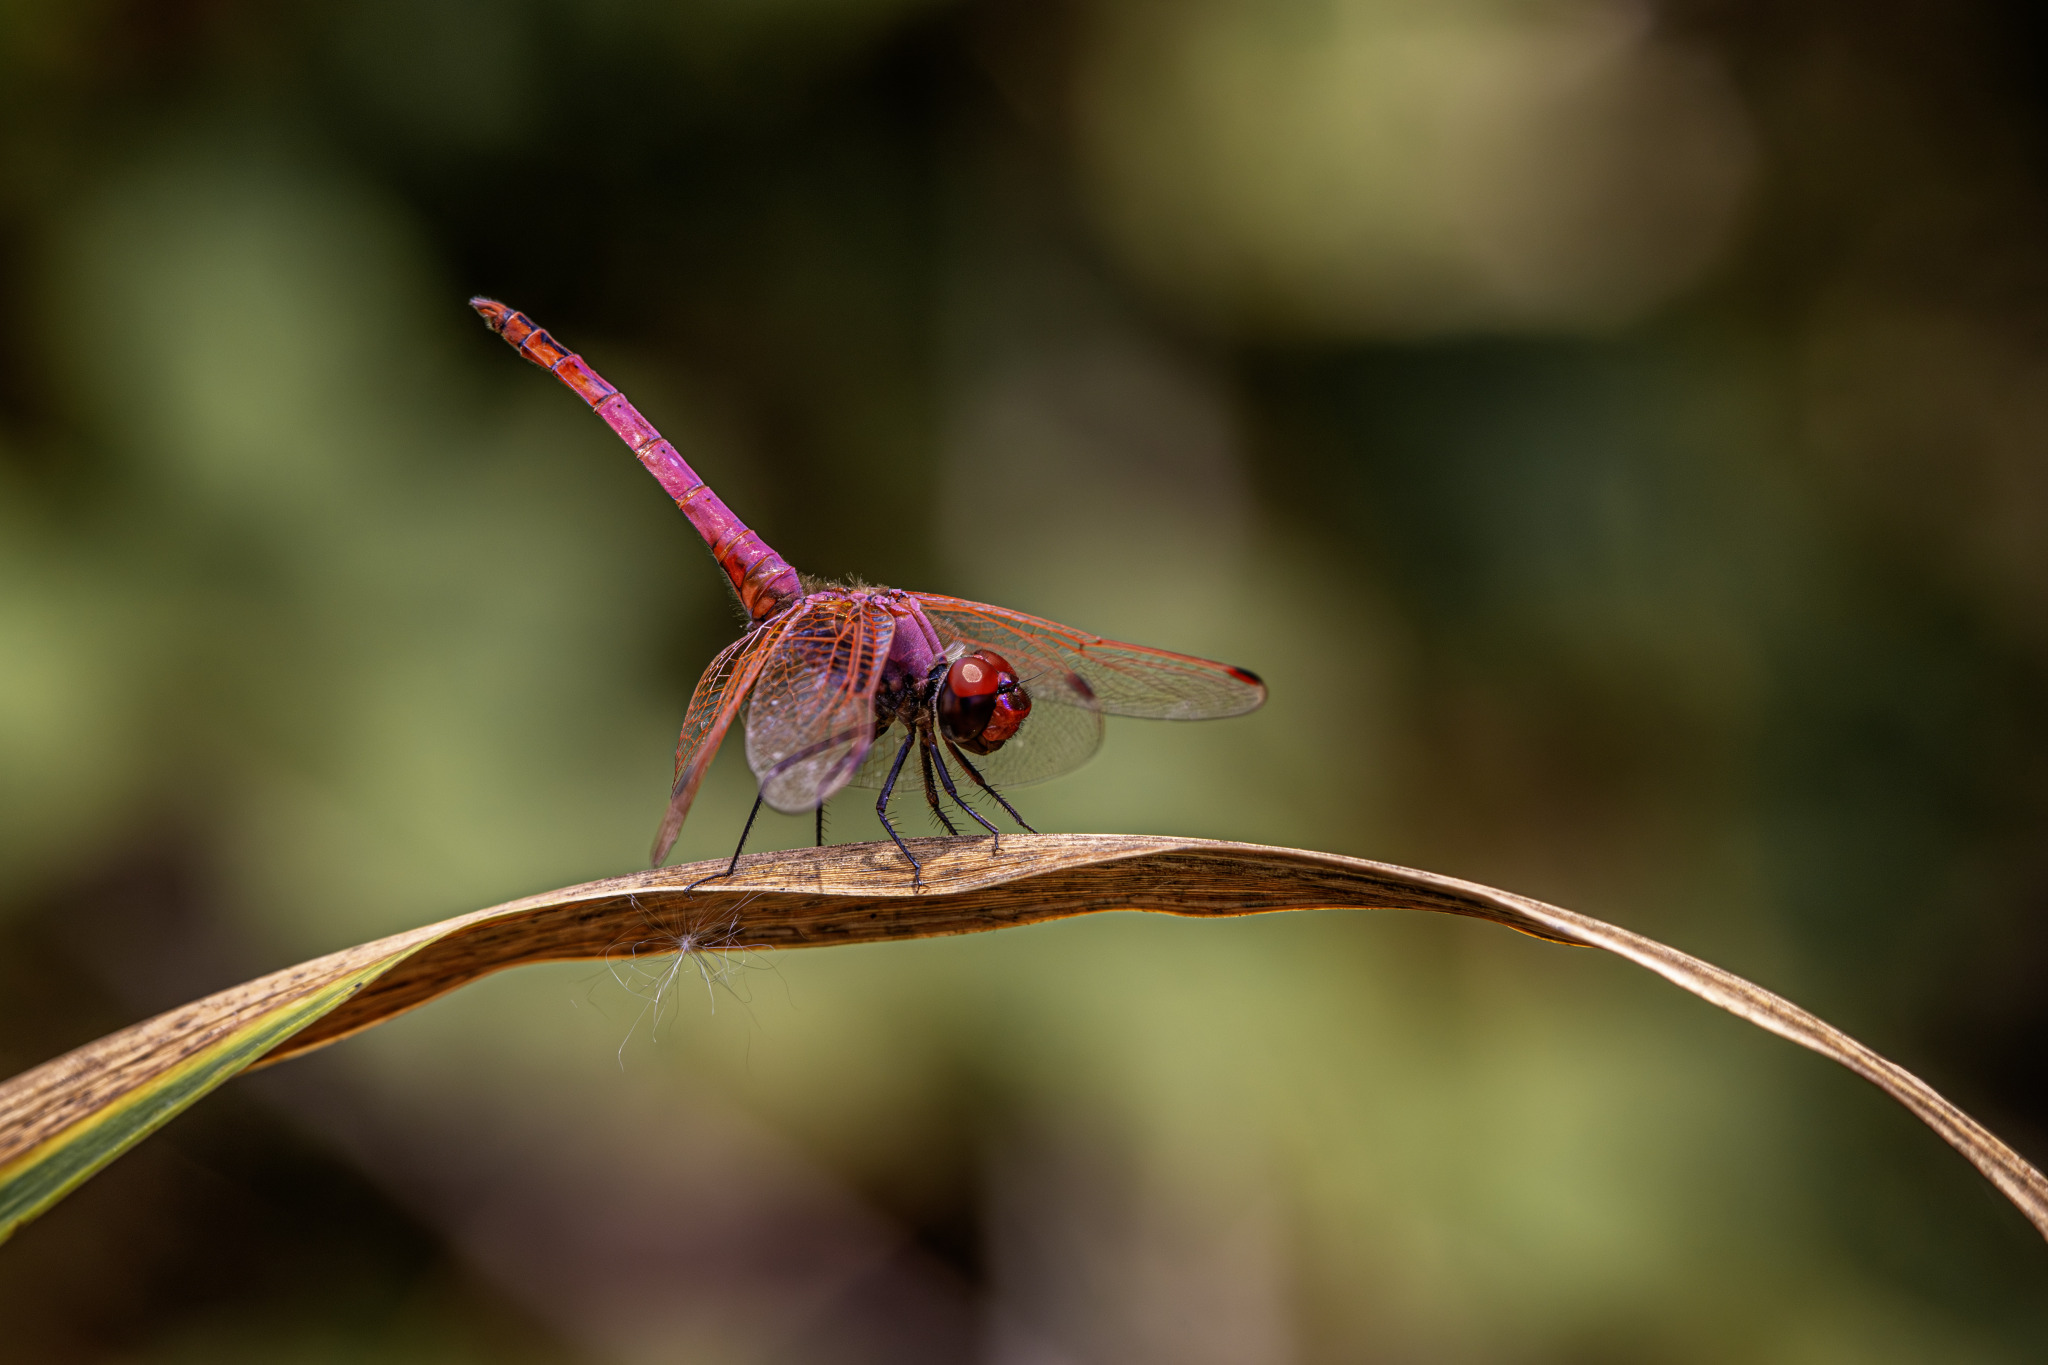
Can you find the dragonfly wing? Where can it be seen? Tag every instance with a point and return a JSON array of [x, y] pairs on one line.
[[1060, 664], [874, 767], [1053, 740], [811, 718], [720, 694]]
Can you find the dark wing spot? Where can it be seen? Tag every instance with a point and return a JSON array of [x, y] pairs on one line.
[[1080, 687], [1245, 675]]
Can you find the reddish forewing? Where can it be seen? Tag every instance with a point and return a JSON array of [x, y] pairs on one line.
[[720, 694], [1058, 663], [811, 718]]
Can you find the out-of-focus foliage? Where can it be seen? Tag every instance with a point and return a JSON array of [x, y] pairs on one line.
[[1362, 167], [1615, 432]]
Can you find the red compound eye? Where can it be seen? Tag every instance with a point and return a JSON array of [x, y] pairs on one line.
[[981, 704], [975, 675]]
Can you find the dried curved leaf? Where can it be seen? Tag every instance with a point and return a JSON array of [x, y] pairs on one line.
[[64, 1120]]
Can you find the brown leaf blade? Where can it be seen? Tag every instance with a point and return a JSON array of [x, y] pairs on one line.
[[69, 1117]]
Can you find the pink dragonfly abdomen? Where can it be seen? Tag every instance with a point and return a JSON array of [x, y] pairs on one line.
[[765, 582]]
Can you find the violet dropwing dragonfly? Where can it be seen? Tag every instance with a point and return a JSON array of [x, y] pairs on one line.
[[825, 671]]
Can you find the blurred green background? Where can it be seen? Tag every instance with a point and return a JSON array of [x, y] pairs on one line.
[[1618, 433]]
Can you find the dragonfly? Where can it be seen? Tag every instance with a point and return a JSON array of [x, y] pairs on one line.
[[825, 672]]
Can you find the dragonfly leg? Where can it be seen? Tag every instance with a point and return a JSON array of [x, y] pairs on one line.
[[938, 760], [745, 830], [982, 782], [821, 824], [882, 808], [931, 793]]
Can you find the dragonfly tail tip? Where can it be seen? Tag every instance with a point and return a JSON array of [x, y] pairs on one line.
[[492, 312]]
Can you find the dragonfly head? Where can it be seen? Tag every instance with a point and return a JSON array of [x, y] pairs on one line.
[[981, 703]]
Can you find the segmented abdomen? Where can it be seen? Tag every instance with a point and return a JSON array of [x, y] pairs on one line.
[[764, 581]]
